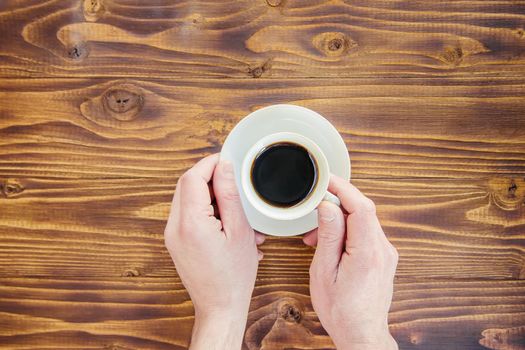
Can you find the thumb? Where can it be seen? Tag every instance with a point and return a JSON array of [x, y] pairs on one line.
[[234, 221], [330, 240]]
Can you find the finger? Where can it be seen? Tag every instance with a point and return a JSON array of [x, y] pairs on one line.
[[364, 232], [191, 191], [351, 198], [362, 224], [193, 185], [260, 255], [310, 238], [228, 200], [330, 240], [259, 238]]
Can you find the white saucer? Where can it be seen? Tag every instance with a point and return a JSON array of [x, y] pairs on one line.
[[279, 118]]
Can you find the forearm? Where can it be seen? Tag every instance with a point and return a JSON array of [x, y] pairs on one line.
[[218, 331]]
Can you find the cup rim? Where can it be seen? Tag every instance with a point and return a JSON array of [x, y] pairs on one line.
[[302, 208]]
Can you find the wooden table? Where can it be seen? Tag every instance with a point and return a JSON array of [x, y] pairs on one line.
[[105, 103]]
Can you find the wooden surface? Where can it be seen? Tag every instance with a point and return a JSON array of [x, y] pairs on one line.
[[105, 103]]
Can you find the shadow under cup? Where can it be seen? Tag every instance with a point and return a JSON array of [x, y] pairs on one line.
[[285, 176]]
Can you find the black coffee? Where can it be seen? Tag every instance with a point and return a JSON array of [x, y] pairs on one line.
[[283, 174]]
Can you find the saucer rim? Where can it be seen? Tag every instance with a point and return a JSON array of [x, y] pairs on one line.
[[232, 139]]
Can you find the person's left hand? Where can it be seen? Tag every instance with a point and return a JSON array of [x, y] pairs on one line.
[[216, 258]]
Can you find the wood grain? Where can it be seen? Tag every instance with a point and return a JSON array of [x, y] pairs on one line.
[[105, 103], [252, 39], [114, 227], [157, 314], [394, 128]]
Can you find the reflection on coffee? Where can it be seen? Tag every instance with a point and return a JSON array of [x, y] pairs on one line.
[[284, 174]]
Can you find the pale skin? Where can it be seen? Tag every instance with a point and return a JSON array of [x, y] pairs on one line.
[[215, 253]]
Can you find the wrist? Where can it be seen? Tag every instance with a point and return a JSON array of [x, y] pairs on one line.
[[218, 329]]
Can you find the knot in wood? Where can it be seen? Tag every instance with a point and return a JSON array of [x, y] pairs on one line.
[[93, 9], [453, 55], [77, 52], [290, 313], [498, 338], [520, 32], [508, 194], [503, 338], [512, 189], [274, 3], [334, 44], [131, 273], [197, 19], [415, 338], [11, 188], [258, 71], [123, 102]]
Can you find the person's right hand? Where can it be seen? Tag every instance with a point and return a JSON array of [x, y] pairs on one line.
[[352, 272]]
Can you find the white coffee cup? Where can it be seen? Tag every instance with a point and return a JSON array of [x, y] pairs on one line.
[[309, 203]]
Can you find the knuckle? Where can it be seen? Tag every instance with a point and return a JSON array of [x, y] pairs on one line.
[[311, 270], [185, 178], [168, 231], [368, 206], [169, 242], [394, 254], [316, 274], [314, 269]]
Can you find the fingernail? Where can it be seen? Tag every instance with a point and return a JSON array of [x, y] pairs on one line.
[[325, 214], [227, 168]]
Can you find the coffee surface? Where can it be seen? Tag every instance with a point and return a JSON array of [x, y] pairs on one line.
[[283, 174]]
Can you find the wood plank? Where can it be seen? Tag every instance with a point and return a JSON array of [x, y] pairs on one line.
[[114, 227], [457, 128], [251, 39], [157, 314]]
